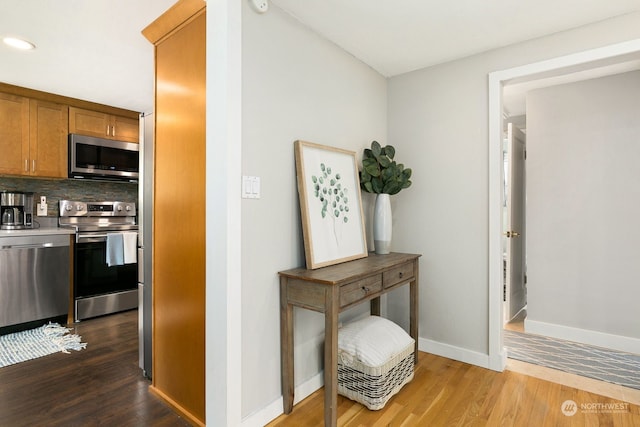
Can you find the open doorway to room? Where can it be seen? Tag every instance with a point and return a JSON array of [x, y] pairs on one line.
[[585, 65], [557, 215], [514, 218]]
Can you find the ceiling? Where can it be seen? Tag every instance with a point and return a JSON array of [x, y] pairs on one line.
[[93, 49], [395, 37], [86, 49]]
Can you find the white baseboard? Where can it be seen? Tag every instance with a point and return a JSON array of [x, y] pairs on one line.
[[584, 336], [453, 352], [274, 409]]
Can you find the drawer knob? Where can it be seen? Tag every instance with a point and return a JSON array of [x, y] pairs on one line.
[[401, 274], [365, 289]]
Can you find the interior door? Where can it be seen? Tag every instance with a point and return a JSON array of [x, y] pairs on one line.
[[516, 291]]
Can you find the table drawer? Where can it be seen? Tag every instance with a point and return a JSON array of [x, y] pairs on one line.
[[399, 274], [356, 291]]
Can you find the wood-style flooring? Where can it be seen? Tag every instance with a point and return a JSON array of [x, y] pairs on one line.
[[99, 386], [103, 386], [445, 392]]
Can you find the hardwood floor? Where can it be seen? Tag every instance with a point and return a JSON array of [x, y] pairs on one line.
[[445, 392], [103, 386], [99, 386]]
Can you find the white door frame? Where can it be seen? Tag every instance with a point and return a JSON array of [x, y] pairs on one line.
[[497, 79]]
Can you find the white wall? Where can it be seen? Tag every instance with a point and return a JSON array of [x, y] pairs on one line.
[[583, 205], [296, 85], [438, 119]]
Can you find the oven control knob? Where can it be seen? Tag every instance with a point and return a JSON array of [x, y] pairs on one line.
[[68, 207], [78, 207], [119, 208], [128, 208]]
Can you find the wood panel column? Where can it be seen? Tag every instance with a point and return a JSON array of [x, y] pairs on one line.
[[179, 232]]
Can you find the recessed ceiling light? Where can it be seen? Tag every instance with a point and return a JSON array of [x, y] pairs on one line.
[[18, 43]]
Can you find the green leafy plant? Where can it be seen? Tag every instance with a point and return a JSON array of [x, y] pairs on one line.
[[380, 173]]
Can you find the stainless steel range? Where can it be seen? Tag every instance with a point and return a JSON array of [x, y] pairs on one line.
[[105, 267]]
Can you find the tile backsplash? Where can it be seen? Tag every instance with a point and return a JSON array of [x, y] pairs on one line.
[[70, 189]]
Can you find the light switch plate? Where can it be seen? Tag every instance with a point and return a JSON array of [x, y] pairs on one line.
[[251, 187]]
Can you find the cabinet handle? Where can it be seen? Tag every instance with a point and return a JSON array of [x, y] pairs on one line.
[[26, 165], [108, 130], [33, 165], [113, 130]]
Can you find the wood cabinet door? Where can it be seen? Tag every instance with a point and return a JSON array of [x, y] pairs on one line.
[[102, 125], [126, 129], [48, 139], [14, 134], [90, 123]]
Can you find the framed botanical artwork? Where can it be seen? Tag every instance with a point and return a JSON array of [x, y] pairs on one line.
[[330, 204]]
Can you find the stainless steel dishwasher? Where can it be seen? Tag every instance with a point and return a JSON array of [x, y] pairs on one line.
[[34, 278]]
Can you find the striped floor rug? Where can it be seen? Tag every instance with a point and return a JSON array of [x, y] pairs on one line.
[[581, 359], [34, 343]]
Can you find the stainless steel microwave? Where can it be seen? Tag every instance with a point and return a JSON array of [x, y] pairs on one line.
[[98, 158]]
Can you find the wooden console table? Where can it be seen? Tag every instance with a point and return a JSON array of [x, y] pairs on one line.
[[333, 289]]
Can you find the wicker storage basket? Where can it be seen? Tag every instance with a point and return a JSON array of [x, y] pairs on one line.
[[375, 359]]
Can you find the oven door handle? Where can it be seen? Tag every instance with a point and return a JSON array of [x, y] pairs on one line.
[[91, 238]]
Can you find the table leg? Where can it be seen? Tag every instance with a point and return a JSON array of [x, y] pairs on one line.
[[332, 305], [286, 347], [375, 306], [414, 311]]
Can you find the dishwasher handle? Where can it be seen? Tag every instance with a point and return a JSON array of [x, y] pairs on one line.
[[34, 245], [35, 242]]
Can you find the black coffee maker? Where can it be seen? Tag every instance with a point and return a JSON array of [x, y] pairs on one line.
[[16, 210]]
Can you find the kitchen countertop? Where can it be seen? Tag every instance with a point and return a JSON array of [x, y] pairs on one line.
[[36, 231]]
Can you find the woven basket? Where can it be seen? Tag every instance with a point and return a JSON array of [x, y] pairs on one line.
[[373, 386]]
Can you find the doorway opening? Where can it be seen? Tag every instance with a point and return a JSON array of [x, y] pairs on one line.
[[514, 234], [577, 66]]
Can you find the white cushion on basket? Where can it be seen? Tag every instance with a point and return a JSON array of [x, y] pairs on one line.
[[373, 340]]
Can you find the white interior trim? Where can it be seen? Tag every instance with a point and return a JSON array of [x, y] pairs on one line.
[[223, 335], [584, 336], [497, 79], [275, 408], [452, 352]]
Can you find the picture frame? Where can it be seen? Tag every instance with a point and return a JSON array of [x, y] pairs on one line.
[[330, 204]]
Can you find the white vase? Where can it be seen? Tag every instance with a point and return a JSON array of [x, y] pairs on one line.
[[382, 224]]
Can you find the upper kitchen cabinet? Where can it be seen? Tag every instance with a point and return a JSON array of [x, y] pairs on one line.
[[48, 138], [33, 137], [102, 125], [14, 134]]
